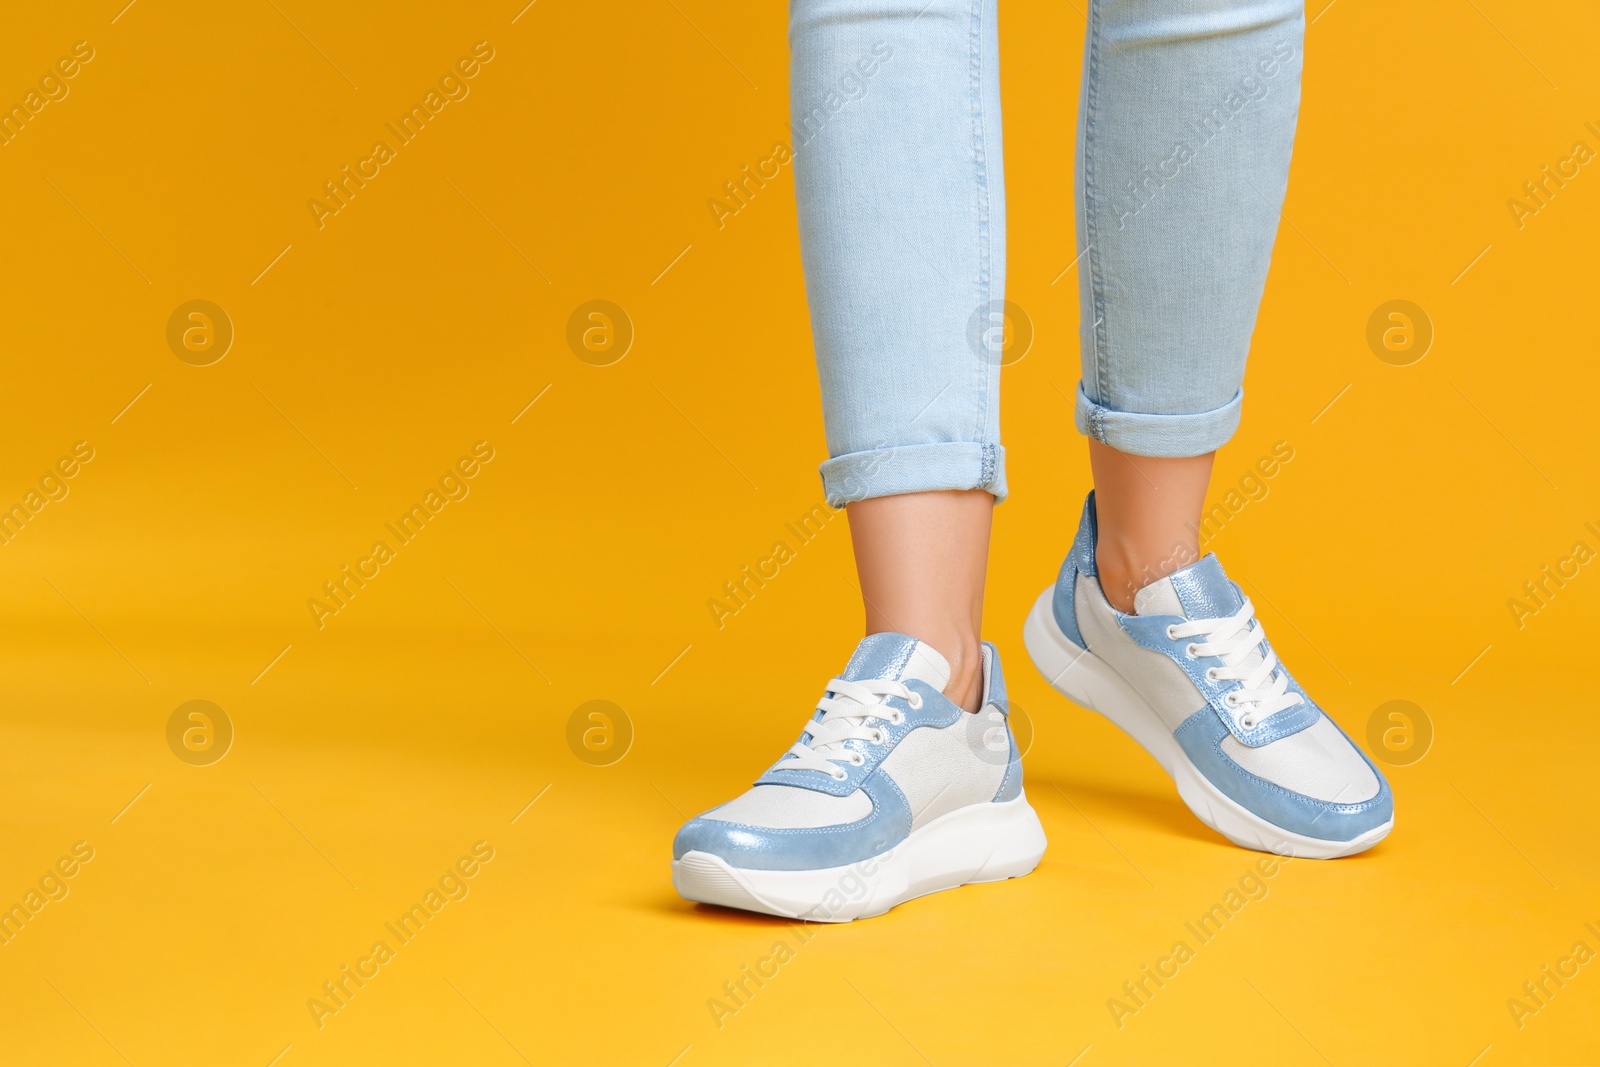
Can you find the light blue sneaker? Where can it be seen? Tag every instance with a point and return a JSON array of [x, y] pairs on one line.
[[1192, 678], [892, 792]]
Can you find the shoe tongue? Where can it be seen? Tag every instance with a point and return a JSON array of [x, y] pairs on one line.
[[1198, 591], [897, 658], [1158, 598]]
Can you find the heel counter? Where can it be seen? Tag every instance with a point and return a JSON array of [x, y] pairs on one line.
[[994, 680], [995, 695], [1080, 560], [1011, 784]]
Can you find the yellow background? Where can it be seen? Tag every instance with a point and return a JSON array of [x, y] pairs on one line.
[[428, 713]]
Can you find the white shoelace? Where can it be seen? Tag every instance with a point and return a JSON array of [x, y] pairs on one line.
[[847, 714], [1238, 639]]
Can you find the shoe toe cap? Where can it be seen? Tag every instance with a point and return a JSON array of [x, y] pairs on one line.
[[1315, 783], [845, 830], [727, 840]]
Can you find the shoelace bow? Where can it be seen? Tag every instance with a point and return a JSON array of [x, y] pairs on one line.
[[1264, 688], [848, 710]]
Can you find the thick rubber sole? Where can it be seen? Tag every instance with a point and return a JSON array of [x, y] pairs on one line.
[[977, 843], [1087, 680]]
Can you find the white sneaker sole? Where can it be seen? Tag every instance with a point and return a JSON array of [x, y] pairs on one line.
[[977, 843], [1085, 679]]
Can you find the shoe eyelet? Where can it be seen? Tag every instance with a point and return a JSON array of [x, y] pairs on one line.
[[1247, 722], [897, 718], [1188, 650], [857, 759], [840, 776], [1170, 635], [1231, 700], [1211, 674], [881, 737], [915, 700]]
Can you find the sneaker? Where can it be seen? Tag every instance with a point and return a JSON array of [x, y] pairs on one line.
[[1191, 677], [892, 792]]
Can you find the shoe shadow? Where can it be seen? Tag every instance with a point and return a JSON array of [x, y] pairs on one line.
[[1161, 811], [671, 905]]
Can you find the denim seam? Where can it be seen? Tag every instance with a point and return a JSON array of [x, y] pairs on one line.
[[858, 471], [1091, 230], [980, 159]]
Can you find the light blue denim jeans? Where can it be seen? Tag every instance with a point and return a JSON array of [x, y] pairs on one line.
[[1186, 123]]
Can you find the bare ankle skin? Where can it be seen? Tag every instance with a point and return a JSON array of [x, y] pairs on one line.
[[1149, 512], [922, 559]]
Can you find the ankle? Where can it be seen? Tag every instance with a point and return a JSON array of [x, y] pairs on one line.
[[1125, 568], [964, 653], [1149, 511], [966, 672]]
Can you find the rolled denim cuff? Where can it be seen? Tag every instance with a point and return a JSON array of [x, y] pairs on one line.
[[914, 469], [1170, 436]]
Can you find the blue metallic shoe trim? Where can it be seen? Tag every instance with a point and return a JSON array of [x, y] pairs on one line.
[[1205, 591], [1011, 784], [1201, 737], [882, 655], [766, 848], [996, 696], [1080, 560]]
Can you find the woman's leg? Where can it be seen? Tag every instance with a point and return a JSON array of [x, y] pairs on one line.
[[921, 558], [1187, 123], [1186, 126], [896, 123], [897, 175], [1149, 517]]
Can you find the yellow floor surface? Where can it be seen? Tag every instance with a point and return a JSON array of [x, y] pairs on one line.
[[220, 899]]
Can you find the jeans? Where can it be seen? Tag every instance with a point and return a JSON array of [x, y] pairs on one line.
[[1185, 128]]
